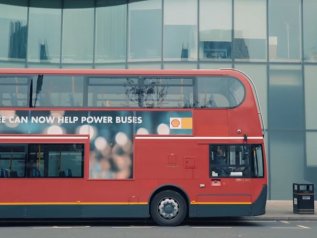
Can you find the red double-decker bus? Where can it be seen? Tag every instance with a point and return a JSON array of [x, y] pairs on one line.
[[165, 144]]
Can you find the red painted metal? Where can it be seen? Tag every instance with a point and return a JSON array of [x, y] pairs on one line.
[[153, 166]]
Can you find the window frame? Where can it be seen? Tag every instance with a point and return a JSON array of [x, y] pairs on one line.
[[194, 88], [251, 166], [28, 83], [29, 162]]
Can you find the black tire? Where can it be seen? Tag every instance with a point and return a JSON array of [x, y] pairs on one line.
[[168, 208]]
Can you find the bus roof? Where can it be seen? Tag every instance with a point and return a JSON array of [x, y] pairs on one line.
[[123, 72]]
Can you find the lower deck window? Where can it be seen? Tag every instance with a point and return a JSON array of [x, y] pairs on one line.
[[236, 161], [41, 160]]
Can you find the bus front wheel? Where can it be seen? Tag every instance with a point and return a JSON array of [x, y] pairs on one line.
[[168, 208]]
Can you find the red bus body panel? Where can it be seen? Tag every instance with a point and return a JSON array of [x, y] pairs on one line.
[[157, 163]]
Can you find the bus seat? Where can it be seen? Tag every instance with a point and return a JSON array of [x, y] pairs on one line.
[[1, 173], [69, 173], [62, 173], [6, 173], [35, 172], [13, 174]]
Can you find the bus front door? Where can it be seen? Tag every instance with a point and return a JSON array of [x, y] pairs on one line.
[[229, 186]]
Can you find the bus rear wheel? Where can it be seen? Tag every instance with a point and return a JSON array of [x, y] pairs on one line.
[[168, 208]]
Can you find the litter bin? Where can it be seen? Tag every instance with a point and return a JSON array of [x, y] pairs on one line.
[[303, 198]]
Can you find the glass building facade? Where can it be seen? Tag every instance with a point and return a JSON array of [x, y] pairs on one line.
[[273, 41]]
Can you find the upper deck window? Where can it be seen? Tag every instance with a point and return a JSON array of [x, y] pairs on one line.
[[121, 92], [14, 91], [57, 91], [219, 92], [148, 92]]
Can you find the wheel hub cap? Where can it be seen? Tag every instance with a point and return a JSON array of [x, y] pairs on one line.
[[168, 208]]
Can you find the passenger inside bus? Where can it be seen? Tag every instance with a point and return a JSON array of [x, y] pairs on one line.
[[235, 160], [220, 161]]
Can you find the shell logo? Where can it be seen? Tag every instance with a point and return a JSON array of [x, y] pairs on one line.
[[175, 123], [181, 123]]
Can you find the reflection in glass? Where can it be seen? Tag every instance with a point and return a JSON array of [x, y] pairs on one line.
[[41, 160], [14, 92], [287, 153], [47, 91], [215, 29], [142, 92], [310, 30], [111, 24], [78, 27], [250, 29], [12, 160], [311, 149], [219, 92], [44, 31], [286, 98], [64, 160], [284, 29], [142, 65], [145, 27], [109, 92], [180, 29], [110, 66], [182, 65], [311, 97], [215, 65], [13, 26]]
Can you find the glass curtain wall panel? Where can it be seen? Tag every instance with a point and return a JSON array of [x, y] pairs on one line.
[[311, 97], [13, 36], [145, 30], [286, 99], [284, 30], [180, 30], [310, 30], [250, 30], [215, 29], [287, 162], [111, 31], [44, 38], [78, 29]]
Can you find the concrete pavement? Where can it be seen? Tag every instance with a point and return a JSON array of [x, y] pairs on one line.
[[283, 210]]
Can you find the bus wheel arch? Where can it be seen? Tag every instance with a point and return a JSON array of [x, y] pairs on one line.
[[169, 206]]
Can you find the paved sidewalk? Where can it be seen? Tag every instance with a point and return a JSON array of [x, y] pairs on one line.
[[283, 210]]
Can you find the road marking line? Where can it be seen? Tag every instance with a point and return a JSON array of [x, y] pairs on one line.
[[62, 227], [304, 227], [54, 227], [285, 227], [260, 221], [42, 227], [284, 222], [212, 227], [129, 227]]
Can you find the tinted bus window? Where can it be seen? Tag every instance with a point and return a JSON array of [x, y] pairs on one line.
[[140, 92], [168, 92], [121, 92], [236, 161], [110, 92], [58, 91], [219, 92], [41, 160], [14, 91], [258, 161], [12, 161]]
